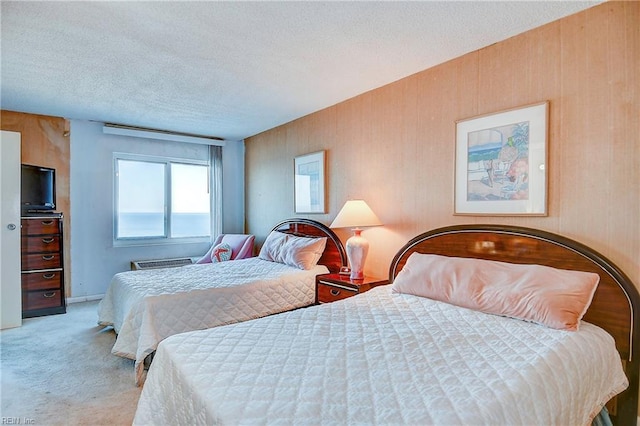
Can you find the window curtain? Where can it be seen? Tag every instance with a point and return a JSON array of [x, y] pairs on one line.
[[215, 183]]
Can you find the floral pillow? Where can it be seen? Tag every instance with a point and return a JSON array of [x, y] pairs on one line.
[[221, 253]]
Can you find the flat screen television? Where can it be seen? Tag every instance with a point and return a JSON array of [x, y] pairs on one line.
[[38, 188]]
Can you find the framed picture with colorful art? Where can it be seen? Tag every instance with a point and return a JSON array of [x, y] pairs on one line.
[[501, 163]]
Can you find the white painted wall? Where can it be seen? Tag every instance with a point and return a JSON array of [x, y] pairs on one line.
[[94, 259]]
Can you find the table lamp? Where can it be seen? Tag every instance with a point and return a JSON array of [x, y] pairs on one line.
[[356, 214]]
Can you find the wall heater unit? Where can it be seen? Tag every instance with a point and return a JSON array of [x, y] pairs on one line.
[[138, 265]]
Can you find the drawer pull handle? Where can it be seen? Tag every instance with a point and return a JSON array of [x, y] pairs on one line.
[[48, 240], [334, 292], [47, 222], [48, 276], [49, 295], [48, 257]]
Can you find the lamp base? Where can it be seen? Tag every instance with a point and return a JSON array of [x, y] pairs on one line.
[[357, 248], [356, 275]]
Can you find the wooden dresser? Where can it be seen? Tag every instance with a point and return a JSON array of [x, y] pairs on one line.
[[42, 265]]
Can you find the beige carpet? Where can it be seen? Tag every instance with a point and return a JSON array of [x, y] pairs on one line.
[[59, 370]]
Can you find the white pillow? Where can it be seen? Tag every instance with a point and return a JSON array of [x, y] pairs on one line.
[[300, 252]]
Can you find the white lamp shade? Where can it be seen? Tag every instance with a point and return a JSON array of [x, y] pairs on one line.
[[355, 214]]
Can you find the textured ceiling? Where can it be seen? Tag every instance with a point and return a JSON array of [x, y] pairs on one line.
[[234, 69]]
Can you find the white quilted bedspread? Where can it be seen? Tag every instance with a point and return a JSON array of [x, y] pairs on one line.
[[145, 307], [382, 358]]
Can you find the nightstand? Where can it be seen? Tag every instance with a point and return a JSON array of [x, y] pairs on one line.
[[332, 287]]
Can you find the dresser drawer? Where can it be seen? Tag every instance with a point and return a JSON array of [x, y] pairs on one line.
[[41, 299], [32, 262], [328, 293], [38, 226], [41, 244], [42, 260], [42, 280]]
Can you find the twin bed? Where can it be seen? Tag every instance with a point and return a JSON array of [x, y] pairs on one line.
[[406, 354], [145, 307], [480, 325]]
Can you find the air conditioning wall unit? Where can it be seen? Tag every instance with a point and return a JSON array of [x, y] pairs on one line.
[[138, 265]]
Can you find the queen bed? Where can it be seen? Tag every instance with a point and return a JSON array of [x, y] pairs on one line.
[[145, 307], [426, 349]]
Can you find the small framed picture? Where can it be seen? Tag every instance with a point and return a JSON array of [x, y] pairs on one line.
[[501, 163], [309, 184]]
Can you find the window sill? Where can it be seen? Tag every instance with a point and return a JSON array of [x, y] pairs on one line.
[[145, 242]]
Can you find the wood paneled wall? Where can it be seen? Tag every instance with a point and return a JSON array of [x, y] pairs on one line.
[[45, 142], [394, 146]]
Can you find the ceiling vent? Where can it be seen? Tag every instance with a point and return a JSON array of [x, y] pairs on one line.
[[141, 132]]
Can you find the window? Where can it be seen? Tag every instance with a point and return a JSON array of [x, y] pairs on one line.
[[190, 201], [161, 199]]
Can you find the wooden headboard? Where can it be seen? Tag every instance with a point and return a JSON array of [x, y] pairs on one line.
[[615, 304], [334, 256]]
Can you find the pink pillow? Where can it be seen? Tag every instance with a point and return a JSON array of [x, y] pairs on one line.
[[300, 252], [221, 253], [553, 297]]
